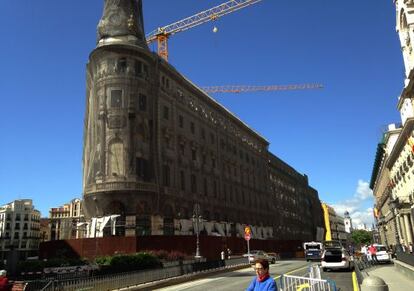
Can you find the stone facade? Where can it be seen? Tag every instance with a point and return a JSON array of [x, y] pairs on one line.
[[393, 174], [155, 145]]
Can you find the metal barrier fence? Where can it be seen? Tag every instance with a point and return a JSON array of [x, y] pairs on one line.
[[123, 280], [296, 283]]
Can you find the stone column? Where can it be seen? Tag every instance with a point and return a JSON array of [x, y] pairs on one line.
[[408, 231], [401, 228]]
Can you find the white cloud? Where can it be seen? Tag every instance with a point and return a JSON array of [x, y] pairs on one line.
[[363, 191], [359, 206]]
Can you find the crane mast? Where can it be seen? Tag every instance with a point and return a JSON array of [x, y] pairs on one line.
[[247, 88], [162, 34]]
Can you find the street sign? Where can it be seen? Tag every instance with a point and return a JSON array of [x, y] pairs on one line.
[[247, 230]]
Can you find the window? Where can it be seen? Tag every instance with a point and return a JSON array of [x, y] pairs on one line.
[[166, 175], [138, 68], [121, 65], [17, 216], [205, 187], [116, 159], [142, 102], [215, 189], [192, 127], [193, 154], [193, 183], [181, 121], [142, 169], [213, 162], [182, 180], [182, 149], [212, 138], [145, 69], [166, 112], [116, 98], [204, 159], [203, 134]]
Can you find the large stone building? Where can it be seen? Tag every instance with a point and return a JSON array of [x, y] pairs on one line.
[[156, 147], [392, 179], [19, 228]]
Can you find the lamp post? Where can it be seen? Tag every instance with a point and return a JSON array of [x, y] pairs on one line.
[[394, 206], [197, 220]]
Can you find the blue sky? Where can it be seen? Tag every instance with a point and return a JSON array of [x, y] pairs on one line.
[[350, 47]]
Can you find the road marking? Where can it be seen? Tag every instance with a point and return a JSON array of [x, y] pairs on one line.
[[355, 282], [291, 272], [303, 286]]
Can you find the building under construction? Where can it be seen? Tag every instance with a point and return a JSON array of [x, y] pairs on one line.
[[158, 150]]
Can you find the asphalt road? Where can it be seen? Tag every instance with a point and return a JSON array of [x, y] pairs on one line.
[[240, 279], [343, 279]]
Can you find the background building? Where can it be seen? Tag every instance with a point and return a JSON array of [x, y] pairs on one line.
[[64, 220], [19, 228], [393, 172], [334, 225], [348, 222]]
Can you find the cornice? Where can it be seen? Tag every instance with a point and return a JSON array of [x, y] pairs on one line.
[[401, 142]]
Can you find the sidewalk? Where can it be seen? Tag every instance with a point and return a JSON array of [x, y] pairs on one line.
[[395, 280]]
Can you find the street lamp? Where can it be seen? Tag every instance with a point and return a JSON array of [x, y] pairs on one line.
[[197, 220], [394, 206]]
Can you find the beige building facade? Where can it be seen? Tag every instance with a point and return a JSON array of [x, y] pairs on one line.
[[392, 180], [19, 228], [65, 221]]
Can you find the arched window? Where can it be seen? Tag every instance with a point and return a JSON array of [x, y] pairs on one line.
[[116, 158]]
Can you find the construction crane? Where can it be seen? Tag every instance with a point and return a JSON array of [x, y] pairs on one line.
[[247, 88], [162, 34]]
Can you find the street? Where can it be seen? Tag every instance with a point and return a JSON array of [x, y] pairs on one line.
[[240, 279]]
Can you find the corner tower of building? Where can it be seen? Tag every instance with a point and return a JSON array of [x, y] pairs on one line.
[[117, 148]]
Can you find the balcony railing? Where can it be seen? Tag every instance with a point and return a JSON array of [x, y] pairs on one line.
[[121, 185]]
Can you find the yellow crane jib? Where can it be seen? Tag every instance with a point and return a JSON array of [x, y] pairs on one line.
[[162, 34]]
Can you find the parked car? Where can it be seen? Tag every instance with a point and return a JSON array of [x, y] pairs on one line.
[[255, 255], [272, 257], [336, 258], [382, 254]]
